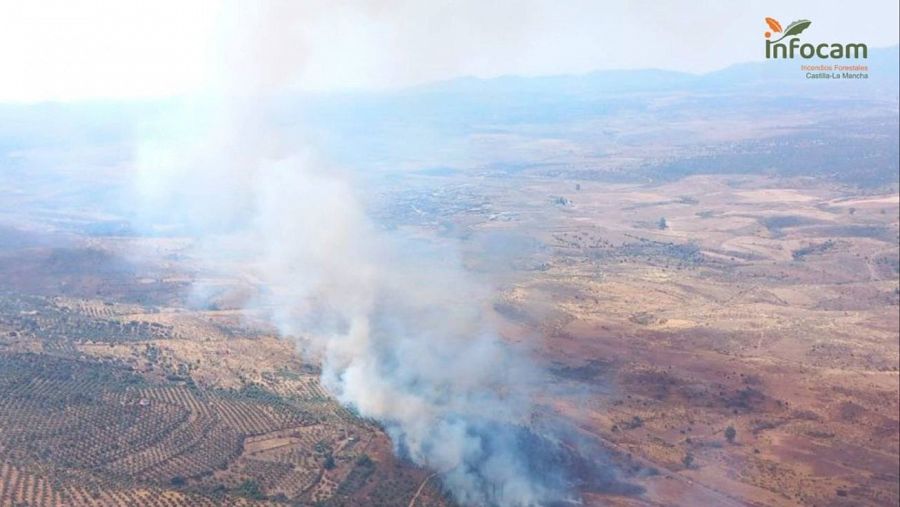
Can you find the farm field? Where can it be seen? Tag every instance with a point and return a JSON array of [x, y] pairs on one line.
[[109, 404], [727, 339]]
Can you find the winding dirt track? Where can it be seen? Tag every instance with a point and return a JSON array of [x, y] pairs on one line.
[[415, 497]]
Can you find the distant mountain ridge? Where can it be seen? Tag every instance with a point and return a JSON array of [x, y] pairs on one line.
[[774, 74]]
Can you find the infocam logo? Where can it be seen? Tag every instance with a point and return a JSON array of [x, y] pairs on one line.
[[792, 47]]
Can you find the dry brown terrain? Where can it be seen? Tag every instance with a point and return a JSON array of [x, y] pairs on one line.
[[728, 340], [766, 306]]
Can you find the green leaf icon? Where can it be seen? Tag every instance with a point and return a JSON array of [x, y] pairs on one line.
[[797, 27]]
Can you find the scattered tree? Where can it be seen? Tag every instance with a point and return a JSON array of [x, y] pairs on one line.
[[730, 433], [634, 423], [250, 489]]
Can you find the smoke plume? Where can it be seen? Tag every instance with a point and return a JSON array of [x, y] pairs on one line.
[[398, 323]]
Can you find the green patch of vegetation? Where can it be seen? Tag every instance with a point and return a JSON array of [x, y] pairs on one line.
[[250, 489], [363, 468]]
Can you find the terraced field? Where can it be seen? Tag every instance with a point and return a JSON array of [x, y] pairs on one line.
[[98, 407]]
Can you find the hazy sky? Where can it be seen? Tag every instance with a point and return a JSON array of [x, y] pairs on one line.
[[77, 49]]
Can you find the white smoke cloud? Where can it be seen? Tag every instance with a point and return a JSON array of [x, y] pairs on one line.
[[397, 322]]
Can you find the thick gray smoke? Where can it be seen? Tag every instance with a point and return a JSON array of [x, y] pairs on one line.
[[398, 324]]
